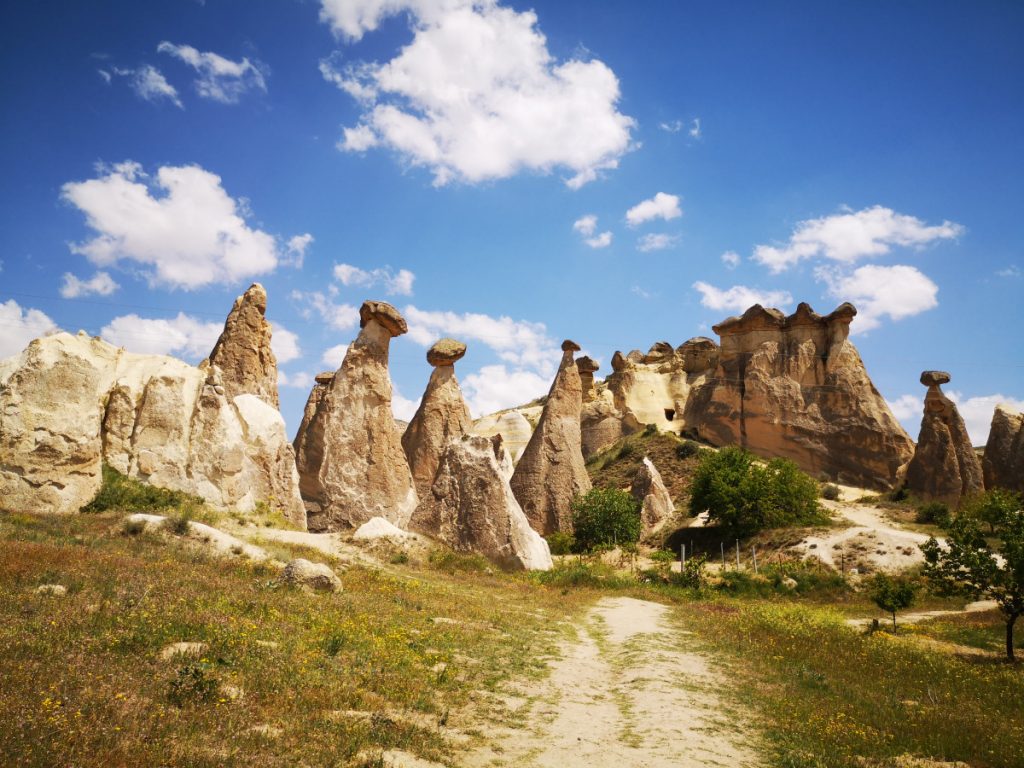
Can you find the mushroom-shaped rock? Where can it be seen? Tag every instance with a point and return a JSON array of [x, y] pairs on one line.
[[243, 352], [552, 471], [945, 466], [618, 361], [442, 415], [650, 492], [350, 459], [587, 367], [1003, 462], [471, 508], [659, 352]]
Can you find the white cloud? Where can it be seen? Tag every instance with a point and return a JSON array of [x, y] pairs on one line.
[[907, 409], [853, 235], [1011, 271], [220, 79], [295, 250], [284, 343], [148, 83], [661, 206], [100, 284], [476, 95], [585, 225], [731, 259], [657, 242], [395, 284], [520, 343], [897, 291], [494, 388], [695, 132], [339, 316], [672, 126], [334, 356], [636, 290], [402, 407], [19, 326], [182, 226], [181, 335], [105, 75], [740, 298], [300, 380], [975, 411], [602, 240]]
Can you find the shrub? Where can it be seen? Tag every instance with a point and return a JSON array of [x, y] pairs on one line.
[[900, 494], [993, 507], [745, 497], [605, 516], [193, 682], [692, 574], [934, 512], [830, 491], [449, 561], [686, 449], [561, 543], [650, 430], [120, 492], [892, 593], [577, 574]]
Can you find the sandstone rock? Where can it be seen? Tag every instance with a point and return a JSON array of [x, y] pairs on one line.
[[303, 573], [471, 508], [379, 528], [350, 458], [194, 650], [587, 367], [68, 403], [320, 383], [441, 418], [514, 428], [1003, 462], [945, 466], [650, 492], [243, 351], [551, 471], [795, 387], [698, 355]]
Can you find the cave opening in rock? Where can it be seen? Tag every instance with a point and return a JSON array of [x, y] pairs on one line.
[[670, 413]]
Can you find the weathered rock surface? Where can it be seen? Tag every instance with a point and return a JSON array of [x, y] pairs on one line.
[[795, 387], [471, 508], [316, 576], [68, 403], [945, 466], [243, 353], [441, 418], [350, 458], [514, 428], [551, 471], [320, 383], [1003, 462], [655, 502], [587, 367]]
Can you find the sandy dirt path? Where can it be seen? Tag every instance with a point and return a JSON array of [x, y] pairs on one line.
[[627, 693]]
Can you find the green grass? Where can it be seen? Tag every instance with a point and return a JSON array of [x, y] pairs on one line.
[[120, 493], [985, 630]]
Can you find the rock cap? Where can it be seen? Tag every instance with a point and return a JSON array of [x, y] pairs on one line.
[[324, 377], [587, 364], [568, 345], [445, 352], [385, 314], [934, 378], [758, 318]]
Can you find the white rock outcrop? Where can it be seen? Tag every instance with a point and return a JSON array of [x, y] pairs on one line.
[[649, 490], [515, 430]]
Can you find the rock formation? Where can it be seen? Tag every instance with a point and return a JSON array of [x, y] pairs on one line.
[[320, 384], [1003, 462], [471, 508], [243, 353], [350, 460], [441, 418], [795, 387], [514, 428], [551, 471], [587, 367], [69, 403], [650, 492], [945, 466]]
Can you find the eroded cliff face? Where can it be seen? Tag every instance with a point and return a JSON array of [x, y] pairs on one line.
[[243, 352], [795, 387], [1003, 462]]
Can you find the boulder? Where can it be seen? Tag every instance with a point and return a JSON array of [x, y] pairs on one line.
[[442, 416], [795, 387], [514, 428], [243, 352], [1003, 462], [945, 466], [350, 458], [552, 471], [471, 508], [316, 576], [69, 403], [650, 492]]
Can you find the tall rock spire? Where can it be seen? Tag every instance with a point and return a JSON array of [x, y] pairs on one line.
[[243, 353]]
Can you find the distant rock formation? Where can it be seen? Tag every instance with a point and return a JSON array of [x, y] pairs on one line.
[[587, 367], [320, 384], [795, 387], [1003, 462], [441, 418], [350, 459], [945, 466], [551, 471], [243, 353], [471, 508], [650, 492], [514, 428], [69, 403]]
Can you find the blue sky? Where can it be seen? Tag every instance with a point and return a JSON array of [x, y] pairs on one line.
[[514, 174]]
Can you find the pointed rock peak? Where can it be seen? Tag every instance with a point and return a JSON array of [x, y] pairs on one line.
[[445, 352], [256, 296], [385, 314], [935, 378], [243, 352]]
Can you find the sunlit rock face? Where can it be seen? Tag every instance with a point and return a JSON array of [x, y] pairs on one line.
[[1003, 462]]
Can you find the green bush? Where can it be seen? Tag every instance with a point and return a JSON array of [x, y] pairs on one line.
[[686, 449], [579, 574], [561, 543], [692, 574], [934, 512], [193, 682], [830, 491], [745, 497], [605, 516], [119, 492], [993, 507]]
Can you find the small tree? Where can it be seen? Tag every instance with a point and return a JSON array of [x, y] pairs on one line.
[[992, 507], [605, 516], [893, 594], [966, 564]]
